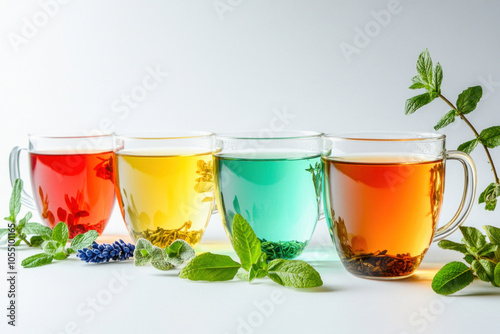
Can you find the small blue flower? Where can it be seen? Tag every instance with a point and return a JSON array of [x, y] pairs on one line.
[[118, 251]]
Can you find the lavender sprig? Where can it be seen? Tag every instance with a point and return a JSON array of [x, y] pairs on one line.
[[118, 251]]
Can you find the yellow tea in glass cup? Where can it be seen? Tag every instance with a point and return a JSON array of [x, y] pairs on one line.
[[383, 194], [165, 186]]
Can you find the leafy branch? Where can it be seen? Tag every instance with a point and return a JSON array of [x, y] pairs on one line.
[[430, 79]]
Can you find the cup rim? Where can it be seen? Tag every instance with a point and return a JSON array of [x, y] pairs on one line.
[[390, 136], [165, 135], [258, 135], [69, 135]]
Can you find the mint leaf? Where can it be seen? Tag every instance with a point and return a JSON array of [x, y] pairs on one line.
[[210, 267], [468, 146], [142, 252], [487, 249], [416, 102], [447, 244], [179, 252], [438, 78], [245, 242], [468, 99], [417, 83], [60, 233], [469, 258], [85, 240], [484, 269], [38, 229], [294, 273], [424, 67], [36, 241], [51, 247], [158, 259], [490, 136], [451, 278], [474, 239], [493, 234], [489, 196], [37, 260], [3, 232], [496, 274], [15, 200], [60, 256], [447, 119], [24, 220]]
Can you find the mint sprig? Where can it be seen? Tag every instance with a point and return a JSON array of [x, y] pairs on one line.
[[213, 267], [54, 246], [176, 254], [430, 79], [20, 230], [482, 257]]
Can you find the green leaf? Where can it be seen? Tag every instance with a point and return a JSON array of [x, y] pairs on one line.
[[493, 234], [84, 240], [451, 278], [245, 242], [70, 250], [142, 252], [51, 247], [60, 256], [36, 241], [447, 244], [469, 258], [417, 83], [474, 239], [489, 196], [468, 146], [23, 221], [37, 260], [438, 78], [484, 269], [496, 274], [424, 67], [447, 119], [38, 229], [158, 259], [490, 136], [468, 99], [179, 252], [294, 273], [487, 249], [416, 102], [210, 267], [60, 233], [15, 199], [3, 232]]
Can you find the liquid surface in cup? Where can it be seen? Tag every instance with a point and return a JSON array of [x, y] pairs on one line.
[[77, 189], [383, 211], [277, 194], [165, 195]]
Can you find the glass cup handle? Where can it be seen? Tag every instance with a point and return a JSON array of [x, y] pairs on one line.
[[467, 197], [15, 173]]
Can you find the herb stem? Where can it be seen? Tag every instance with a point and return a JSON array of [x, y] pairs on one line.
[[462, 116]]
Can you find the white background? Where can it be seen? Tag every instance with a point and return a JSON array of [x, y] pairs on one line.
[[238, 68]]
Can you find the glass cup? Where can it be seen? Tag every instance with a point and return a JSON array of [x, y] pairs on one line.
[[164, 184], [383, 193], [72, 179], [274, 183]]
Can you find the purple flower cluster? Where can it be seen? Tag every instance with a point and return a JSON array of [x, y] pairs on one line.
[[118, 251]]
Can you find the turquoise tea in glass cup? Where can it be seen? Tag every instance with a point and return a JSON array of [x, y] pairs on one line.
[[274, 183]]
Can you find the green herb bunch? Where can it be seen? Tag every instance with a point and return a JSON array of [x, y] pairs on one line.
[[482, 257], [215, 267], [20, 230], [430, 78]]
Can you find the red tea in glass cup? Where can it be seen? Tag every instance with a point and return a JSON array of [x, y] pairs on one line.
[[72, 180]]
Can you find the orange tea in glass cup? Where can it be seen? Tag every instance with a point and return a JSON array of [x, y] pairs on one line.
[[383, 195]]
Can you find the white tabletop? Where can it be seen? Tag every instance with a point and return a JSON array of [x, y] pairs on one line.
[[74, 297]]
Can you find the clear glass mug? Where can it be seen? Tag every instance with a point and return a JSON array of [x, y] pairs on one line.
[[274, 183], [382, 195], [72, 179], [164, 185]]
